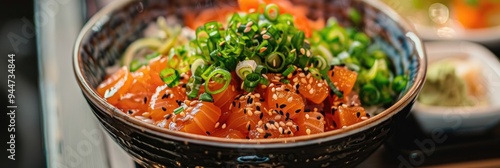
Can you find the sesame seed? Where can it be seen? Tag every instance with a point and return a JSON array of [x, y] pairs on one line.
[[275, 97], [267, 135], [311, 91], [318, 117], [130, 112], [307, 116], [224, 126], [232, 88], [310, 79], [364, 118], [289, 123], [182, 114], [308, 53], [279, 89], [282, 106], [247, 29], [163, 108], [168, 116], [277, 117], [265, 36], [302, 75], [145, 100], [282, 124], [249, 24], [216, 125], [146, 114], [303, 80], [260, 130], [295, 80], [273, 90], [262, 49], [302, 51], [280, 130], [308, 87], [259, 123], [298, 110], [290, 99], [249, 113], [222, 43], [344, 126], [308, 131], [263, 32]]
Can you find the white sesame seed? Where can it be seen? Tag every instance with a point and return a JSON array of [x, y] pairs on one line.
[[295, 80], [311, 91], [277, 117], [364, 118], [275, 97], [146, 114], [265, 36], [249, 113], [224, 126], [249, 24], [280, 130], [302, 75], [282, 123], [308, 87], [247, 30], [216, 125], [279, 89], [289, 123], [222, 43], [232, 88], [344, 126], [260, 130], [263, 32], [310, 80], [259, 123], [290, 99], [303, 80], [276, 124], [257, 95], [302, 51], [308, 53], [262, 49], [308, 131], [307, 116], [293, 50], [182, 114]]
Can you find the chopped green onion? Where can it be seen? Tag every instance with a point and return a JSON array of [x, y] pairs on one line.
[[369, 94], [152, 55], [354, 15], [178, 110], [198, 63], [261, 69], [136, 64], [251, 81], [288, 70], [226, 77], [271, 12], [319, 62], [298, 40], [205, 75], [170, 77], [399, 83], [245, 67], [193, 86], [275, 62], [206, 97], [315, 73], [285, 81], [331, 85], [264, 81]]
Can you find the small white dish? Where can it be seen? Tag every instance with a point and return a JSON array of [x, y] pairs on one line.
[[463, 120], [488, 36]]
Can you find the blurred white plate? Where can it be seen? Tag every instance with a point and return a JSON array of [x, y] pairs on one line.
[[463, 120], [488, 36]]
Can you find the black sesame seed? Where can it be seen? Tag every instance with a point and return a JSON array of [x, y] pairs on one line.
[[287, 89], [287, 116], [333, 111], [248, 128], [333, 73], [282, 106], [367, 115], [244, 111], [257, 108], [334, 124], [331, 67], [208, 133], [281, 112], [358, 114], [271, 121], [297, 86], [306, 72], [145, 100], [261, 115], [318, 117], [165, 96], [249, 100], [168, 116], [181, 78], [289, 132], [163, 108], [298, 110], [298, 128], [184, 86], [179, 102], [234, 104], [261, 99], [265, 127], [297, 91], [276, 105], [267, 135], [247, 137], [130, 112], [331, 93], [294, 73], [239, 104]]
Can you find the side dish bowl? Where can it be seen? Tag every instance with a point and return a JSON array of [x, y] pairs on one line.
[[111, 30]]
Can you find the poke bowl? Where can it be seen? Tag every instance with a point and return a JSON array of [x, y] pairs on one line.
[[103, 67]]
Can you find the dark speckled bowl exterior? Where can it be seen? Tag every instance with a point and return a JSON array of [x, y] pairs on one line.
[[107, 34]]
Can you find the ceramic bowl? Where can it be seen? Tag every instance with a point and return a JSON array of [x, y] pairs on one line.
[[464, 120], [108, 33]]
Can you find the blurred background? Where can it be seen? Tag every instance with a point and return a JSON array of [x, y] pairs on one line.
[[54, 126]]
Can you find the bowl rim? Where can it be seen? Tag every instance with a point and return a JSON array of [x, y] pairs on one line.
[[115, 113]]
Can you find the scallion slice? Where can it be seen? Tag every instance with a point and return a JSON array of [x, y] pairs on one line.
[[221, 74], [251, 81], [170, 77], [271, 12]]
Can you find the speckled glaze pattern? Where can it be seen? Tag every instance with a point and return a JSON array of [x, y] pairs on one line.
[[106, 36]]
